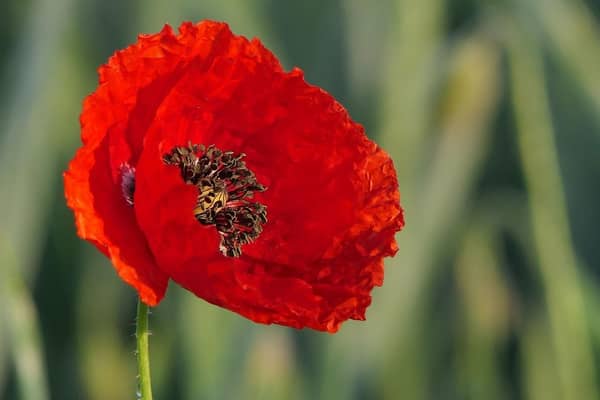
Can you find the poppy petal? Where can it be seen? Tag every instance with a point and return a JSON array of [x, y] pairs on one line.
[[92, 181], [114, 120], [333, 200], [104, 218]]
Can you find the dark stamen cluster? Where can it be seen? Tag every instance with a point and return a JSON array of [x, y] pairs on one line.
[[224, 185], [240, 225]]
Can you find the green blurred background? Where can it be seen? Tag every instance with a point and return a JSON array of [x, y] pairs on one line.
[[491, 112]]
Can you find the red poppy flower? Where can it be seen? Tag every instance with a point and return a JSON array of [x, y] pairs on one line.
[[205, 163]]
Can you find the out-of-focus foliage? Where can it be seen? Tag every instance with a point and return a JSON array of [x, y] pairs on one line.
[[491, 112]]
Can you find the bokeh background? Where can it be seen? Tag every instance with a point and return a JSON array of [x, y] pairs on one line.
[[491, 112]]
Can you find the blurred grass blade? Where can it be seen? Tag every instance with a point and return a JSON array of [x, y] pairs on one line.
[[339, 368], [551, 229], [26, 156], [107, 362], [270, 370], [539, 365], [415, 40], [3, 351], [20, 318], [366, 51], [488, 307], [470, 104], [575, 35], [408, 88], [211, 350]]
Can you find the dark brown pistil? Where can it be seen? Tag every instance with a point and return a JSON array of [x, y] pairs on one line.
[[225, 185]]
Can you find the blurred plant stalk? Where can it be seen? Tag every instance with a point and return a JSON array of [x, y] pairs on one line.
[[539, 364], [19, 323], [408, 96], [471, 97], [551, 231], [575, 36], [487, 303], [414, 46], [26, 160]]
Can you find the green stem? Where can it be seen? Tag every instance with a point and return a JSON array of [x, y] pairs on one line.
[[143, 357]]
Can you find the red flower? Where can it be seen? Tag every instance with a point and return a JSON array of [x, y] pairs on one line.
[[204, 162]]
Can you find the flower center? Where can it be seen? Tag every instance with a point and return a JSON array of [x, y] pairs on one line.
[[225, 186]]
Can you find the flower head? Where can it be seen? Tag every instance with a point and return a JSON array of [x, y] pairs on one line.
[[205, 163]]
